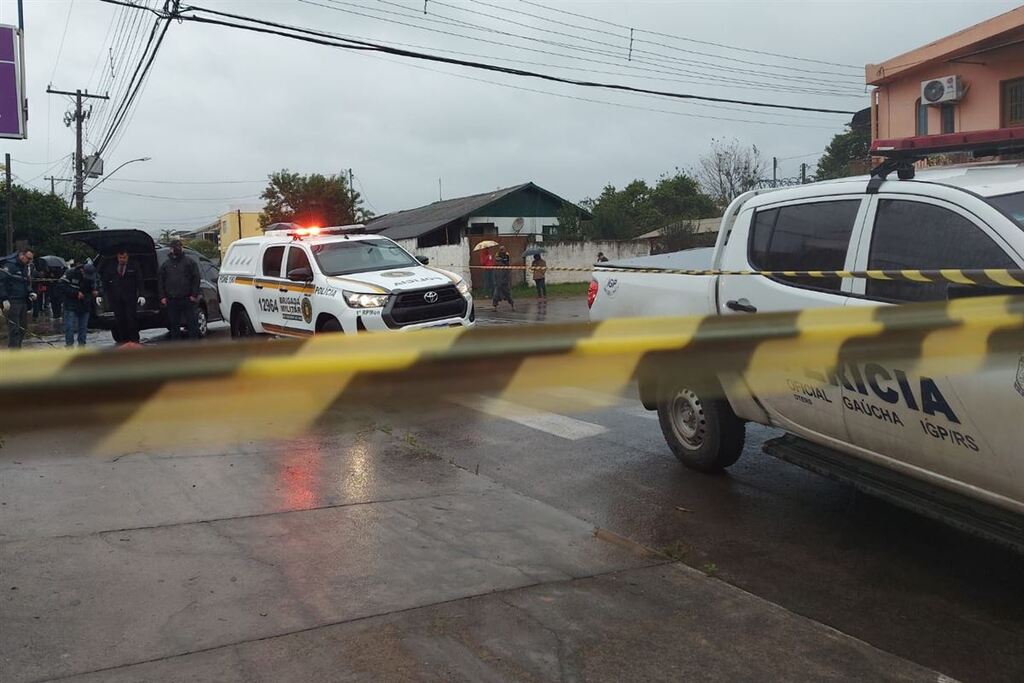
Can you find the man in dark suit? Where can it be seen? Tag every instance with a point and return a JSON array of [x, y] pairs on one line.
[[122, 285]]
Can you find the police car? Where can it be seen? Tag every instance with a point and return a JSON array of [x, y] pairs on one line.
[[948, 446], [299, 281]]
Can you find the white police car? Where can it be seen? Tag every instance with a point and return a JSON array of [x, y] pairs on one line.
[[300, 281]]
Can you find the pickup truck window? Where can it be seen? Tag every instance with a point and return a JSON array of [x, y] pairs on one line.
[[812, 236], [916, 235], [341, 258], [297, 259], [1012, 205], [272, 261]]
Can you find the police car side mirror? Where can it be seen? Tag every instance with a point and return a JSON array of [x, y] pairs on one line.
[[423, 259], [300, 275], [969, 291]]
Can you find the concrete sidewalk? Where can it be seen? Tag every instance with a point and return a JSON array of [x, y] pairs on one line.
[[358, 556]]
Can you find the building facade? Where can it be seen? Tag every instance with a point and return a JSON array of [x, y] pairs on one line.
[[981, 72]]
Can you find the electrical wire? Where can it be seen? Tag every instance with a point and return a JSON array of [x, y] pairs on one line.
[[185, 182], [178, 199], [60, 48], [672, 70], [624, 36], [317, 37], [158, 220], [636, 51], [691, 40]]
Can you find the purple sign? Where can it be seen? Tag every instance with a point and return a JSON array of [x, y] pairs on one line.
[[12, 121]]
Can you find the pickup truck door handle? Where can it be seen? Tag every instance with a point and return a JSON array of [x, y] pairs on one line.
[[282, 289], [741, 305]]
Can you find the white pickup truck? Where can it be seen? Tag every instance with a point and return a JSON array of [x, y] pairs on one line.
[[917, 440]]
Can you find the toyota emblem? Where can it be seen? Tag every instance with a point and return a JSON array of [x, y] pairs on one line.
[[430, 297]]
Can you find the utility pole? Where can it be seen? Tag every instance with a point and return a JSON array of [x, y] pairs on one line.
[[10, 205], [775, 171], [79, 118], [352, 194], [803, 174]]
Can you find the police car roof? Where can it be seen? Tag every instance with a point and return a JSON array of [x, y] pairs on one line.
[[985, 179], [282, 237]]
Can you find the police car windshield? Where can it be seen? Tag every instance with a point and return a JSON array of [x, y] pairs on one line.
[[1012, 205], [341, 258]]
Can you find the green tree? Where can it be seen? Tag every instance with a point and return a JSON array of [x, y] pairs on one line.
[[166, 236], [313, 199], [204, 247], [848, 154], [639, 208], [570, 225], [40, 219]]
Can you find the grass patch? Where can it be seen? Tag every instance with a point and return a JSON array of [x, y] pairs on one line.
[[566, 289], [674, 551]]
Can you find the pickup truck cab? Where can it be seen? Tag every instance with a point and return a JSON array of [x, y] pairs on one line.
[[957, 434], [300, 281]]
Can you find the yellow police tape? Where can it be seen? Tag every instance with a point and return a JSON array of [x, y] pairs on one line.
[[988, 277], [131, 400]]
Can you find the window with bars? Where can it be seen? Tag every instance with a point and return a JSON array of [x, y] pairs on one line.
[[1013, 102]]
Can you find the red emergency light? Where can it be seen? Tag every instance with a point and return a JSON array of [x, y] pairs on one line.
[[980, 142]]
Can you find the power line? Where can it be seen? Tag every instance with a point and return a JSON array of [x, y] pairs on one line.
[[670, 47], [60, 49], [672, 70], [691, 40], [316, 37], [178, 199], [158, 220], [186, 182], [656, 55]]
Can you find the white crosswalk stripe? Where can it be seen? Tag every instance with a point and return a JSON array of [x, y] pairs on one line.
[[541, 420]]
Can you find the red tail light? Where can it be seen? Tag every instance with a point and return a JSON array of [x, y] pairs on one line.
[[592, 293]]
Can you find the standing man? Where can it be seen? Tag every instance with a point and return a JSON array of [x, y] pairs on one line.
[[178, 283], [540, 269], [78, 289], [601, 258], [16, 294], [502, 279], [122, 286]]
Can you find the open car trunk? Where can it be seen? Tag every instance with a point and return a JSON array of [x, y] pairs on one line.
[[141, 252]]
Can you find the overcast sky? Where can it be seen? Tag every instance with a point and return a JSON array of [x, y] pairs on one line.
[[227, 105]]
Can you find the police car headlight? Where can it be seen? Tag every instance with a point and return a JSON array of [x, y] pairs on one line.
[[462, 287], [358, 300]]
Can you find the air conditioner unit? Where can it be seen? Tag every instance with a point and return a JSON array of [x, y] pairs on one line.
[[941, 90]]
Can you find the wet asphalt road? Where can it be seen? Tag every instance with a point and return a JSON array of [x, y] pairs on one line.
[[898, 581]]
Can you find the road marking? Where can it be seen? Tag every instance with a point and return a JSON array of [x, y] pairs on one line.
[[600, 400], [541, 420]]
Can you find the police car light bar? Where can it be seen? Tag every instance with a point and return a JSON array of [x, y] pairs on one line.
[[299, 231], [980, 142]]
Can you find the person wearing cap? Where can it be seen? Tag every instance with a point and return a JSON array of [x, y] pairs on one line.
[[178, 283], [122, 286], [16, 294], [77, 288]]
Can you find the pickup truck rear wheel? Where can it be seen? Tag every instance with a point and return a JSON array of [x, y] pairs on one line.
[[241, 326], [704, 434]]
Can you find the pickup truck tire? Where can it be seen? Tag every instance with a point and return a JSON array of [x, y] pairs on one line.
[[331, 325], [704, 434]]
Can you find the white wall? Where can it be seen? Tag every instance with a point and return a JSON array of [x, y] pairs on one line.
[[453, 257], [531, 226], [584, 255]]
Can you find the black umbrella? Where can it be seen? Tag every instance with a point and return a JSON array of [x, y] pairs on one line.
[[54, 262], [533, 250]]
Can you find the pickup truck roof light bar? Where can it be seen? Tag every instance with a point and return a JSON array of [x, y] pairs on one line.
[[297, 232], [900, 154]]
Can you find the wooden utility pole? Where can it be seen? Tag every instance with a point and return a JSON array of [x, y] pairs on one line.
[[10, 205], [79, 118]]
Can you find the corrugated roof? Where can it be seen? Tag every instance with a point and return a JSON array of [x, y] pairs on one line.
[[415, 222]]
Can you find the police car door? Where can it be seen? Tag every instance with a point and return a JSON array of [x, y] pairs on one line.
[[807, 234], [297, 305], [962, 429], [268, 284]]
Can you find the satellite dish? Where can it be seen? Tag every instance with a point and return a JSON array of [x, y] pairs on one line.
[[517, 225]]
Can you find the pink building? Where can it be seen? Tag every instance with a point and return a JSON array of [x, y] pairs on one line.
[[971, 80]]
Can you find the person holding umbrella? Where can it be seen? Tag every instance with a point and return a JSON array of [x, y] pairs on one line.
[[487, 262], [539, 267]]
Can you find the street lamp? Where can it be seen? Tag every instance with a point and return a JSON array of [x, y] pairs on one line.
[[132, 161]]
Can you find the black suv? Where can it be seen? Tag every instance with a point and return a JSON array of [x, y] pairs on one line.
[[148, 257]]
